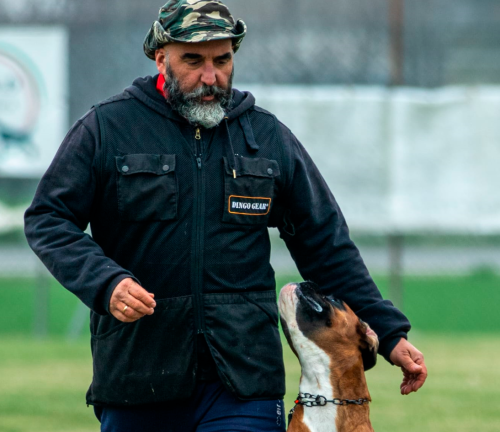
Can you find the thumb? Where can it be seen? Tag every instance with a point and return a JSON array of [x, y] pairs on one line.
[[410, 365]]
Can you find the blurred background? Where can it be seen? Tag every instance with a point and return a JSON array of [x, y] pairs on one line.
[[398, 103]]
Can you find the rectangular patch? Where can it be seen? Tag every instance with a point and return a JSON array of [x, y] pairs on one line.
[[250, 206]]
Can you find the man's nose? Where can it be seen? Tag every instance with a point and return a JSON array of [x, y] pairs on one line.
[[208, 75]]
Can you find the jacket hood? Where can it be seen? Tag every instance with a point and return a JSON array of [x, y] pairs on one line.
[[144, 89]]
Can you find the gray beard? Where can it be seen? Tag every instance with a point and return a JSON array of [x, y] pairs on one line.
[[191, 106]]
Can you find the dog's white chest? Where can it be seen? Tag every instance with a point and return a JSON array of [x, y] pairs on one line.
[[316, 380]]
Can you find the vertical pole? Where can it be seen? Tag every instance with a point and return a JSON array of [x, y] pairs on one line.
[[396, 240], [78, 321], [396, 32], [396, 249], [41, 304]]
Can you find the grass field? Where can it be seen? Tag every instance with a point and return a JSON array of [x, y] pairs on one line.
[[43, 387], [456, 325]]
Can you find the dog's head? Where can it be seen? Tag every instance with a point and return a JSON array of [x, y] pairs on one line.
[[327, 322]]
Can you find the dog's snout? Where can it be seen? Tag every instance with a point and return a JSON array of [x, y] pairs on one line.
[[310, 301], [287, 301]]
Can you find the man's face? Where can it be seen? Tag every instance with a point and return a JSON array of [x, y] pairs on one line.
[[198, 79]]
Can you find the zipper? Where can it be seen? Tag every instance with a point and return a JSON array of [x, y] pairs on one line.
[[199, 228], [197, 137]]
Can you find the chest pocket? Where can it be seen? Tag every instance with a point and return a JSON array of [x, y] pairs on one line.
[[249, 197], [147, 187]]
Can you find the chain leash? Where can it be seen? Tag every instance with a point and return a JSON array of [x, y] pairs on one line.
[[310, 400]]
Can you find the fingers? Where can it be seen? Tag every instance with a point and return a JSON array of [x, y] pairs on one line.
[[137, 305], [412, 364], [411, 382], [142, 299], [125, 313], [130, 302], [414, 378]]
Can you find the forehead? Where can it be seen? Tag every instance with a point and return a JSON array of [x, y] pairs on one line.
[[206, 49]]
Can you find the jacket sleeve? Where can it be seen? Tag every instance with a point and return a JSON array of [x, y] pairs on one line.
[[317, 237], [59, 214]]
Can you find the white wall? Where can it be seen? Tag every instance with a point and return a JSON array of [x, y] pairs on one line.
[[404, 159]]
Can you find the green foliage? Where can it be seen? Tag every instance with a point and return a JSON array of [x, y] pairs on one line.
[[429, 239], [451, 303], [445, 303], [433, 303], [12, 237], [17, 306]]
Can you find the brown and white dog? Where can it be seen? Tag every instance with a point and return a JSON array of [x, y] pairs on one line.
[[334, 349]]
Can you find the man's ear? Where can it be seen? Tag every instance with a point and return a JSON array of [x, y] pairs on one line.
[[160, 56], [369, 346]]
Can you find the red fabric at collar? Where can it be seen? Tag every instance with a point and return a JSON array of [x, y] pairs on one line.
[[159, 84]]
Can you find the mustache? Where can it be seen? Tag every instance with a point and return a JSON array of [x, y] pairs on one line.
[[204, 91], [176, 97]]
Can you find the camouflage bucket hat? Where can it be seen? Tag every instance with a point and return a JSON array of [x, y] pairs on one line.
[[193, 21]]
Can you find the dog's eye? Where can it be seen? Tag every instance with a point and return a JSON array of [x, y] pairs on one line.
[[329, 323]]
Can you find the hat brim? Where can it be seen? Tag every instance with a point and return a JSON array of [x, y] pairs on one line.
[[197, 37], [207, 36]]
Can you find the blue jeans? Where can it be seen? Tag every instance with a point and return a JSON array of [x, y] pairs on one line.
[[211, 409]]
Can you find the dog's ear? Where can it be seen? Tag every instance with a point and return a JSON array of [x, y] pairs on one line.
[[369, 346]]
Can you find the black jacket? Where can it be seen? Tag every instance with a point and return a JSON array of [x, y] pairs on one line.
[[185, 212]]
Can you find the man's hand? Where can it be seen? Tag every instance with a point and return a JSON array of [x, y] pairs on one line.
[[411, 361], [130, 302]]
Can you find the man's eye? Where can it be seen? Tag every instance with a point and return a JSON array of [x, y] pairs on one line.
[[192, 62]]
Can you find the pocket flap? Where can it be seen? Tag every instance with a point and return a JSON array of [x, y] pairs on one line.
[[258, 167], [145, 163]]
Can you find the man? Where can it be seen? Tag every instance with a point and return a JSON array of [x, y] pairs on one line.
[[179, 177]]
